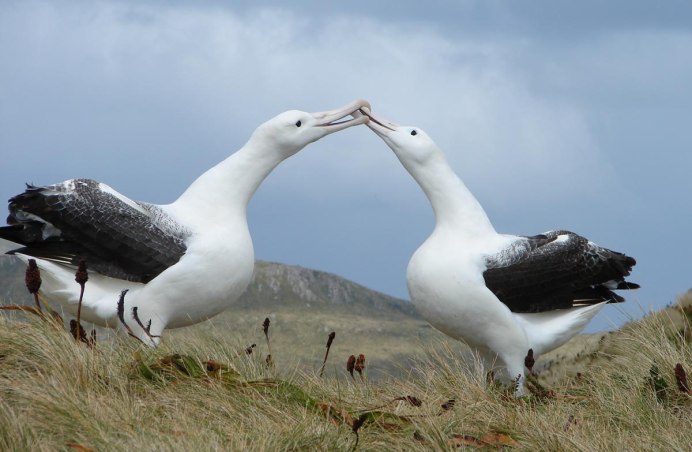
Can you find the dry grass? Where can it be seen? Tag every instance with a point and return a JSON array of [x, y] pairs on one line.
[[56, 394], [299, 336]]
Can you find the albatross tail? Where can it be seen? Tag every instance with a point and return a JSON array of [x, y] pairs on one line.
[[99, 305], [548, 330]]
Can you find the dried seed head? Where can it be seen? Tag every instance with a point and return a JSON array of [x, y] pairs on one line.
[[449, 404], [529, 361], [77, 331], [248, 351], [360, 364], [411, 400], [681, 378], [330, 339], [32, 277], [350, 364], [213, 366], [571, 420], [81, 276], [358, 423], [265, 326]]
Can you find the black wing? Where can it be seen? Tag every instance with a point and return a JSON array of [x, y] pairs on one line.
[[79, 219], [556, 270]]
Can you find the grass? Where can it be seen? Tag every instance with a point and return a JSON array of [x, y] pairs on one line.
[[201, 391], [299, 335]]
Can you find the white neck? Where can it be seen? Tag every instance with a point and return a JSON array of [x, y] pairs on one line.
[[454, 205], [225, 190]]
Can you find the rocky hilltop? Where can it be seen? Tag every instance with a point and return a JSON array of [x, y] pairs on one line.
[[288, 285]]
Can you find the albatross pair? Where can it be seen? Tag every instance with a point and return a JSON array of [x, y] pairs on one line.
[[187, 261]]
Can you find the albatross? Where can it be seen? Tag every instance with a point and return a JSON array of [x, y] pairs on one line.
[[507, 296], [163, 266]]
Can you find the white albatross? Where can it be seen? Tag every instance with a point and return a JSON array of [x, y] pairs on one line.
[[180, 263], [501, 294]]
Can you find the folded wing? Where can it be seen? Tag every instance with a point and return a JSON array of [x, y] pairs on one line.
[[84, 219], [556, 270]]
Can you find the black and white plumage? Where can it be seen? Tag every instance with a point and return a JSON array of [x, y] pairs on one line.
[[179, 263], [84, 219], [501, 294], [556, 270]]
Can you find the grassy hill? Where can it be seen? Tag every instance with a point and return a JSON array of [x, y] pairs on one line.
[[200, 390], [303, 306], [589, 351]]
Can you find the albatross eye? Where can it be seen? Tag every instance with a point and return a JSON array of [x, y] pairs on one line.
[[414, 133], [298, 124]]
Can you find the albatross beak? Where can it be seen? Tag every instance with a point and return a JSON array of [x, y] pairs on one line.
[[330, 119], [377, 124]]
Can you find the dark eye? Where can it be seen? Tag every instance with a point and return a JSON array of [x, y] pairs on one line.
[[298, 124], [414, 133]]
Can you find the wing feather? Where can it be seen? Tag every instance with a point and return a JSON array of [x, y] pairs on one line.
[[556, 270], [83, 219]]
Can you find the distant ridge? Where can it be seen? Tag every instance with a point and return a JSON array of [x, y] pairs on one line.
[[274, 285], [277, 284]]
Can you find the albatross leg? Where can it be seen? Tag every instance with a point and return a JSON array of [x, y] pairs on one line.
[[504, 367], [513, 373], [503, 339], [140, 323]]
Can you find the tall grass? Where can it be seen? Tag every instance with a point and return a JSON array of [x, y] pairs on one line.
[[58, 394]]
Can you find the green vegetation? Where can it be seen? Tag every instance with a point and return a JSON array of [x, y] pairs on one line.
[[200, 390]]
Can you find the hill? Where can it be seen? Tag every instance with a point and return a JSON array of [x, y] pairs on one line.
[[201, 391], [623, 390], [272, 285], [303, 306], [276, 285], [589, 351]]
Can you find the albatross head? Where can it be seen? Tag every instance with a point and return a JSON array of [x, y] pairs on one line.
[[410, 144], [291, 131]]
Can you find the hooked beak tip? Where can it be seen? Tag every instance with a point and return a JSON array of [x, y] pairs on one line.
[[372, 120]]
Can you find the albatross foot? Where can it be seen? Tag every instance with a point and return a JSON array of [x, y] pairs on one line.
[[146, 329]]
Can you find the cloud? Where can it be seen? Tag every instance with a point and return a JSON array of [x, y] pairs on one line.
[[167, 85]]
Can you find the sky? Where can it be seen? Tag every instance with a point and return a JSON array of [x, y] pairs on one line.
[[557, 115]]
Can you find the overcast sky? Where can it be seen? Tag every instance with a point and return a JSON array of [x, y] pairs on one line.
[[570, 115]]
